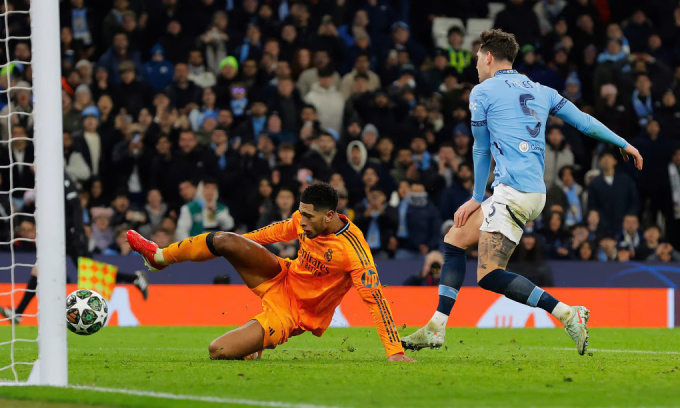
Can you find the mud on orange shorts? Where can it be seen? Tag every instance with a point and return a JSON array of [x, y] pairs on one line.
[[279, 318]]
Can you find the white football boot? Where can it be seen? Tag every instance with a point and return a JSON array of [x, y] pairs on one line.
[[428, 336], [575, 326]]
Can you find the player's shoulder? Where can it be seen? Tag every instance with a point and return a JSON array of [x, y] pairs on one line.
[[351, 237]]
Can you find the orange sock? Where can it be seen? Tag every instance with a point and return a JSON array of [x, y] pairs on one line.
[[194, 249]]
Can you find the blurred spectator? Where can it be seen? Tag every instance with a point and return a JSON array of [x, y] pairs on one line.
[[547, 13], [102, 234], [642, 101], [120, 51], [378, 222], [459, 58], [176, 43], [328, 101], [556, 237], [197, 115], [198, 72], [155, 208], [287, 104], [614, 112], [579, 235], [519, 18], [568, 194], [431, 272], [419, 221], [183, 93], [624, 253], [254, 122], [652, 236], [322, 158], [665, 253], [362, 65], [607, 249], [458, 192], [351, 170], [120, 245], [630, 235], [76, 167], [586, 252], [613, 193], [158, 72], [206, 215], [527, 260], [17, 164], [70, 116], [310, 76], [134, 95], [21, 108], [557, 155]]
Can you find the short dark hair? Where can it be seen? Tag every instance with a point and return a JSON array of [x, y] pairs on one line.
[[454, 29], [321, 195], [326, 72], [210, 180], [502, 45]]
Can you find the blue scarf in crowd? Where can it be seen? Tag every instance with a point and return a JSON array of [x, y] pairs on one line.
[[574, 211], [644, 110]]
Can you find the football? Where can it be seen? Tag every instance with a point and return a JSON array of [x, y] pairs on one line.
[[86, 312]]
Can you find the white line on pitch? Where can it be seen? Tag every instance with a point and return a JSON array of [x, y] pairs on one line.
[[165, 395], [608, 351]]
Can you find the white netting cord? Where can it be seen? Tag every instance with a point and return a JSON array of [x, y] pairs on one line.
[[8, 67]]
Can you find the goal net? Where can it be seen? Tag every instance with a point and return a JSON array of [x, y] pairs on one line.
[[31, 195]]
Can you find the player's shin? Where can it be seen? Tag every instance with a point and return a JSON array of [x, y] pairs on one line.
[[453, 273], [199, 248], [522, 290]]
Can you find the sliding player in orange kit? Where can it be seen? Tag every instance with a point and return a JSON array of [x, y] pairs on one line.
[[297, 295]]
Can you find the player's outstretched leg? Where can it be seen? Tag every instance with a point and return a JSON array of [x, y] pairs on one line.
[[252, 261], [494, 252], [244, 343], [433, 334]]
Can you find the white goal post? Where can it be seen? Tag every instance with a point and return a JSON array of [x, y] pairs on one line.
[[49, 184], [51, 367]]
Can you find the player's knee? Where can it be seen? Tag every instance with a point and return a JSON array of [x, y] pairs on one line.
[[218, 352], [226, 242], [455, 237]]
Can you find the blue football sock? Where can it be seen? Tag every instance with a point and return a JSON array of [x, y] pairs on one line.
[[519, 289], [453, 273]]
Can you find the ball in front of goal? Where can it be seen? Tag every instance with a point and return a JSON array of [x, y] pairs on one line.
[[86, 312]]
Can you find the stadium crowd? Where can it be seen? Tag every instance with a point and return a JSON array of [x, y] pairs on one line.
[[188, 116]]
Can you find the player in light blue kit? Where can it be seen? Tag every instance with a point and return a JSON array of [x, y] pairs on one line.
[[509, 114]]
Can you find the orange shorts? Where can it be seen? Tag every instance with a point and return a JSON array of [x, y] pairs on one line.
[[279, 318]]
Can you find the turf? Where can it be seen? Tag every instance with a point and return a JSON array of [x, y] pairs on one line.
[[347, 368]]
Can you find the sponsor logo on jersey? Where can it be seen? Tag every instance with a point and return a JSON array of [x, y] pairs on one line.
[[370, 279]]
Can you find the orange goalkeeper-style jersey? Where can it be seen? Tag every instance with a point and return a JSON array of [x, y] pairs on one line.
[[325, 269]]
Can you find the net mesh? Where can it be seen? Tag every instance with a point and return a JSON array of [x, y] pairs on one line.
[[17, 220]]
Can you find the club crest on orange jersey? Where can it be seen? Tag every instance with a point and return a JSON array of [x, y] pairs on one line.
[[328, 255]]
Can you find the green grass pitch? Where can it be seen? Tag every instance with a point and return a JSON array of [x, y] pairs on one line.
[[347, 368]]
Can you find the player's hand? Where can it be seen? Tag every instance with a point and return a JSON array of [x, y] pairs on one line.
[[632, 151], [464, 212], [401, 357]]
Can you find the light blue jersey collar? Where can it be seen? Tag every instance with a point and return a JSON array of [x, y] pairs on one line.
[[505, 71]]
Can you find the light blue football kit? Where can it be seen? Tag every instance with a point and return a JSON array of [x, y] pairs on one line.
[[509, 116]]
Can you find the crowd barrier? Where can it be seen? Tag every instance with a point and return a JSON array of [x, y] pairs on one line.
[[228, 305]]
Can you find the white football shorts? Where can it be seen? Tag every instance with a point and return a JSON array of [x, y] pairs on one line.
[[508, 210]]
